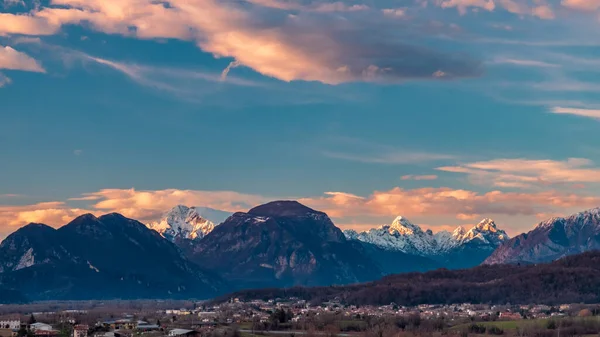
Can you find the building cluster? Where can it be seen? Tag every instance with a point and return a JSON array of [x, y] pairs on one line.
[[14, 328], [266, 314], [261, 311]]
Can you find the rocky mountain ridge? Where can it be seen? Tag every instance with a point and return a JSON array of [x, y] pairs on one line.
[[445, 247], [552, 239], [188, 223]]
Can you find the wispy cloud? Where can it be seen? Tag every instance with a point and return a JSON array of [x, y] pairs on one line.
[[419, 177], [528, 173], [589, 113], [162, 77], [396, 157], [524, 63], [358, 150], [4, 80]]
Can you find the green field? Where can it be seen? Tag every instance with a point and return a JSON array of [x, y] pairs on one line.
[[506, 325]]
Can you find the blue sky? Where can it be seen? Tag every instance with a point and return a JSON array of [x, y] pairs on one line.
[[442, 111]]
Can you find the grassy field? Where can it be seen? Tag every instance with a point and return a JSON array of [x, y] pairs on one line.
[[506, 325]]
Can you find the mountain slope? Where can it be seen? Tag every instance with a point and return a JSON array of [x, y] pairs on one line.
[[573, 279], [460, 249], [283, 243], [95, 258], [29, 245], [552, 239], [191, 223]]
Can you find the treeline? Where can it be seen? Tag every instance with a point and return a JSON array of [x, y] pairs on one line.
[[575, 279]]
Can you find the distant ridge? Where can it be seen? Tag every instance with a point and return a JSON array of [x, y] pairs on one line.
[[459, 249], [552, 239], [574, 279]]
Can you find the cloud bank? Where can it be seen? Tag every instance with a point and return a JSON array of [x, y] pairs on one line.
[[284, 40], [460, 204]]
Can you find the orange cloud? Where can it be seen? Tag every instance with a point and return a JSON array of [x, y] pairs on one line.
[[526, 173], [150, 205], [49, 213], [582, 5], [442, 206], [15, 60], [287, 49], [461, 204]]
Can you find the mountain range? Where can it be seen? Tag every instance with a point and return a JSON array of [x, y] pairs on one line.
[[201, 253], [552, 239], [460, 249], [98, 258]]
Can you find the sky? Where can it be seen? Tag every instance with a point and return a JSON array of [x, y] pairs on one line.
[[442, 111]]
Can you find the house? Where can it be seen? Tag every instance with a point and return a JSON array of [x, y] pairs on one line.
[[510, 315], [80, 330], [46, 333], [182, 332], [124, 323], [40, 327], [10, 324], [114, 334], [147, 327]]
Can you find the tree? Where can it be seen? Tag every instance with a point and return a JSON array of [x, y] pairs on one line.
[[22, 332], [31, 320], [158, 322]]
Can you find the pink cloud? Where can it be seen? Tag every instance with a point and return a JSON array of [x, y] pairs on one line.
[[12, 59], [526, 173], [419, 177], [50, 213], [438, 206], [460, 204], [287, 49]]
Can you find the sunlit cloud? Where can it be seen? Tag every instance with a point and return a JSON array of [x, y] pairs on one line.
[[150, 205], [589, 113], [459, 204], [527, 173], [450, 205], [12, 59], [50, 213], [279, 45], [419, 177]]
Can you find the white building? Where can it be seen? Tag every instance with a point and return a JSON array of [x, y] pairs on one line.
[[40, 326], [179, 332], [13, 324]]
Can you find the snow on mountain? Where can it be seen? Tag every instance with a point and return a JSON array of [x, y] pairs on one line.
[[192, 223], [404, 236]]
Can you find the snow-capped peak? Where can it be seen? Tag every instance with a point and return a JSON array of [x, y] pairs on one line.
[[459, 232], [188, 222], [486, 232], [593, 213], [403, 226], [402, 235], [487, 225]]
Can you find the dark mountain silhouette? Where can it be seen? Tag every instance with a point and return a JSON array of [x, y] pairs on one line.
[[96, 258], [283, 243], [552, 239]]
